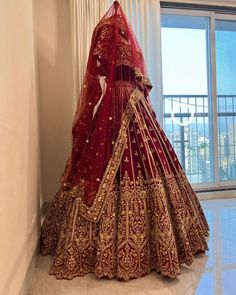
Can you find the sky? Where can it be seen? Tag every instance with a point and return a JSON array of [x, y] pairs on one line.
[[226, 62], [184, 62], [184, 59]]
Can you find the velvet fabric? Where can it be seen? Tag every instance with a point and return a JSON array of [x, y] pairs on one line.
[[125, 206]]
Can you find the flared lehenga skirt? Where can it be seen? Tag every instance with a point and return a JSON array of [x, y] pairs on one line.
[[144, 217]]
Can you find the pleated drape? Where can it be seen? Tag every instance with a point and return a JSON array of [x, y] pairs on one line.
[[85, 15]]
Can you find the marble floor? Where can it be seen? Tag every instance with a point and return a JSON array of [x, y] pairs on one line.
[[210, 274]]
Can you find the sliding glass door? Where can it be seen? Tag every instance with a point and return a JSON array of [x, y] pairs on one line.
[[199, 93], [186, 96], [225, 38]]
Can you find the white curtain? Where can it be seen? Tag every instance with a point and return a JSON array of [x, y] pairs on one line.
[[85, 15], [144, 17]]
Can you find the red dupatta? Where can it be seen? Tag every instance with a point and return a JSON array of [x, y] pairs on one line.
[[97, 135]]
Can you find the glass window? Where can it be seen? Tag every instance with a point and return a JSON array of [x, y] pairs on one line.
[[185, 90], [225, 36]]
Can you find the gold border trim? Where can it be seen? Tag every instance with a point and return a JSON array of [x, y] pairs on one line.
[[93, 213]]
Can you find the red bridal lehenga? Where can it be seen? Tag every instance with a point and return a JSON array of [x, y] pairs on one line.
[[125, 206]]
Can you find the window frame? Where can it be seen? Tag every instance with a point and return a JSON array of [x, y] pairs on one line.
[[212, 93]]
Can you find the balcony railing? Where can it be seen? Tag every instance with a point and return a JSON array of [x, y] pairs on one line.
[[187, 123]]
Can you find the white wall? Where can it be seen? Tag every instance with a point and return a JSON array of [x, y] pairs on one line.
[[55, 89], [19, 198]]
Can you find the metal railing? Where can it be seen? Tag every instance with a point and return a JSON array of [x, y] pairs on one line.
[[187, 123]]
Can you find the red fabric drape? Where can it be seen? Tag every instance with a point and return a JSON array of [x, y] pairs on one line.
[[114, 57]]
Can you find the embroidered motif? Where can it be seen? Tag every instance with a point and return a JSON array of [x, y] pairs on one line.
[[152, 220], [142, 235]]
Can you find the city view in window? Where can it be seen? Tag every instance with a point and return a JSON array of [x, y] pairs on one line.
[[226, 97], [185, 89]]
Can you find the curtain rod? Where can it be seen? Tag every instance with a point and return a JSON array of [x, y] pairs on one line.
[[216, 8]]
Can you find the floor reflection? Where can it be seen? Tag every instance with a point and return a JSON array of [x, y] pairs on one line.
[[219, 277]]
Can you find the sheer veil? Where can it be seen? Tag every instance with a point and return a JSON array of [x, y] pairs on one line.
[[114, 56]]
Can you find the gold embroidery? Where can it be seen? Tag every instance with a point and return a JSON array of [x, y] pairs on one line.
[[104, 42], [92, 213], [159, 224], [155, 229], [145, 80], [126, 160]]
